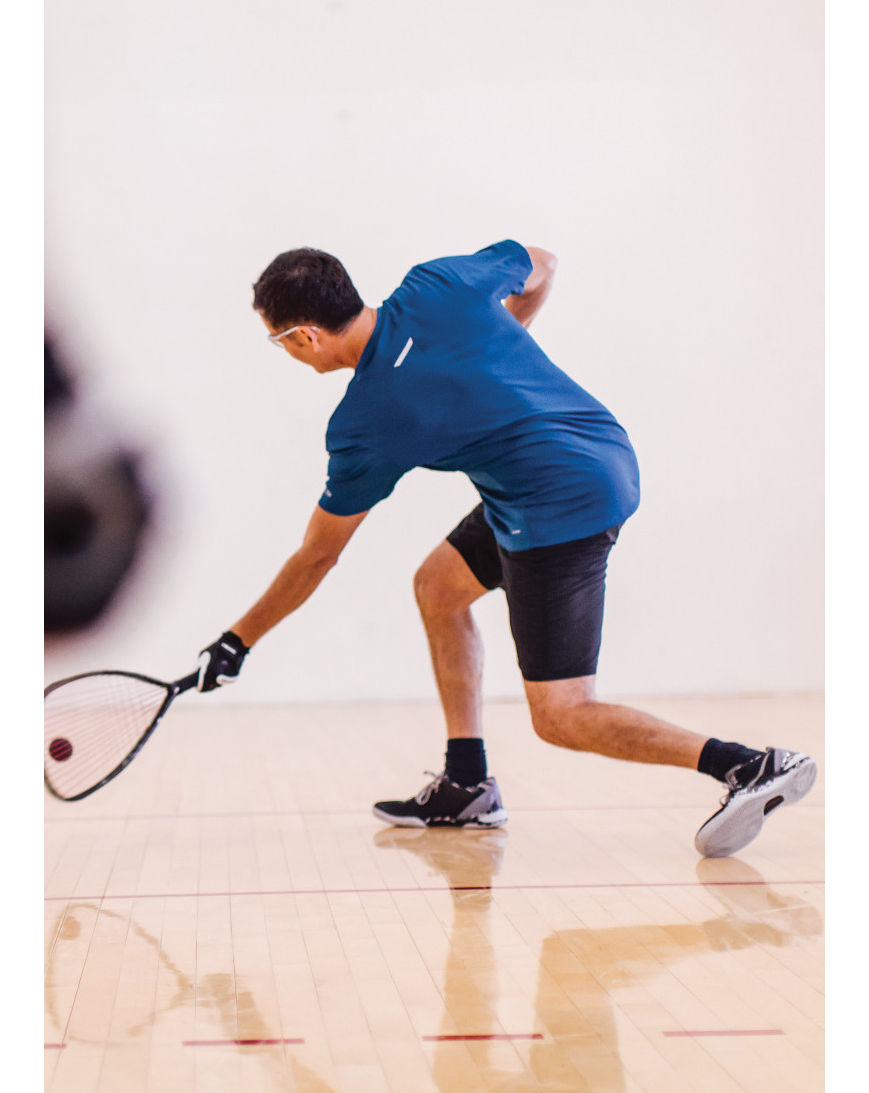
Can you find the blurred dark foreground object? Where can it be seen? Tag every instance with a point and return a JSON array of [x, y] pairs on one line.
[[97, 510]]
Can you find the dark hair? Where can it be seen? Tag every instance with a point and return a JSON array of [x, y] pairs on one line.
[[306, 286]]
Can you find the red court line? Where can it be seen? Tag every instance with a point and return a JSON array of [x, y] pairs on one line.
[[725, 1032], [444, 888], [53, 1046], [237, 1043], [486, 1036]]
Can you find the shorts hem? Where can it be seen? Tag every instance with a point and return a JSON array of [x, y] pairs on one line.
[[555, 677]]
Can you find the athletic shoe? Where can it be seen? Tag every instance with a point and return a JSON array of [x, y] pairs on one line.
[[443, 803], [756, 788]]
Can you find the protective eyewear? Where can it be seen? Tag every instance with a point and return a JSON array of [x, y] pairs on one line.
[[276, 339]]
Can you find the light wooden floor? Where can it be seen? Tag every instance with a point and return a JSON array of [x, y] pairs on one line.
[[228, 915]]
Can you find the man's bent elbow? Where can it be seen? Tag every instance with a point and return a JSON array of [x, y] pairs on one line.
[[544, 260]]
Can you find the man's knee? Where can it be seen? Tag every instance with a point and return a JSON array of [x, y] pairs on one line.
[[562, 711], [444, 584], [427, 585], [564, 726]]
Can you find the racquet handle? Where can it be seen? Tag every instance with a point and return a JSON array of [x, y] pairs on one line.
[[185, 684]]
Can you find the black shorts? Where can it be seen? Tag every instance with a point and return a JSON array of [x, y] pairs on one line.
[[555, 595]]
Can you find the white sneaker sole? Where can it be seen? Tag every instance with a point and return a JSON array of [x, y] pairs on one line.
[[491, 819], [740, 820]]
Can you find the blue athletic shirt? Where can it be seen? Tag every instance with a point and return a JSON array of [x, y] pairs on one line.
[[451, 381]]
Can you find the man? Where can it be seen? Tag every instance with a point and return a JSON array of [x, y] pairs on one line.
[[446, 376]]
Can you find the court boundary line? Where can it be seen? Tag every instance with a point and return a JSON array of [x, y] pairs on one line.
[[244, 1042], [725, 1032], [439, 888], [455, 1037]]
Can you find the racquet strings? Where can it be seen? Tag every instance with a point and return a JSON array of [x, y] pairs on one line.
[[92, 724]]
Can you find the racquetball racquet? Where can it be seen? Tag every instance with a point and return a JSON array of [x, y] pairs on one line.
[[97, 722]]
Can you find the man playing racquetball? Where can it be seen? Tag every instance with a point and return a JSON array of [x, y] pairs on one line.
[[446, 376]]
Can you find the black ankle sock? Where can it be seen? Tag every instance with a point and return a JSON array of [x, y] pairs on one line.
[[466, 761], [717, 758]]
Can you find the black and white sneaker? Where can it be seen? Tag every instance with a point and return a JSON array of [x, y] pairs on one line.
[[755, 789], [443, 803]]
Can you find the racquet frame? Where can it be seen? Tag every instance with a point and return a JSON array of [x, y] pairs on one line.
[[172, 692]]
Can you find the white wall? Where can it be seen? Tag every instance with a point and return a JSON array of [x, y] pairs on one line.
[[671, 153]]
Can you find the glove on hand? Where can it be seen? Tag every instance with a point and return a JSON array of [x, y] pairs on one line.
[[221, 662]]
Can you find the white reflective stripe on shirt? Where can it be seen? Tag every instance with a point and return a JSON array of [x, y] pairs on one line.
[[403, 353]]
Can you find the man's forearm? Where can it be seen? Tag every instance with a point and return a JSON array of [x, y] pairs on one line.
[[325, 538], [301, 574]]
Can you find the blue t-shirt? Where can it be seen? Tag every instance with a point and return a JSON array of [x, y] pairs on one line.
[[450, 380]]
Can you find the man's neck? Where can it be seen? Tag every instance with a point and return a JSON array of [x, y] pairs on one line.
[[359, 333]]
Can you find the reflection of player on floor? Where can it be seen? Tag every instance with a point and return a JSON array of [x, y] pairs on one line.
[[447, 377], [584, 975]]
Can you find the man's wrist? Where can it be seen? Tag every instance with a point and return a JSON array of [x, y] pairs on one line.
[[240, 635]]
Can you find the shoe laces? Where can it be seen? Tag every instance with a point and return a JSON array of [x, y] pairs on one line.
[[425, 793]]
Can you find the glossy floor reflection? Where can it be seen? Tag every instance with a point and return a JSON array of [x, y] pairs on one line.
[[243, 923]]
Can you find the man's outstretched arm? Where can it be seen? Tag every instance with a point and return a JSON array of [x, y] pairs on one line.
[[525, 305], [325, 538]]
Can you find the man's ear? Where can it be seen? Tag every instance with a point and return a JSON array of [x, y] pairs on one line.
[[314, 336]]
